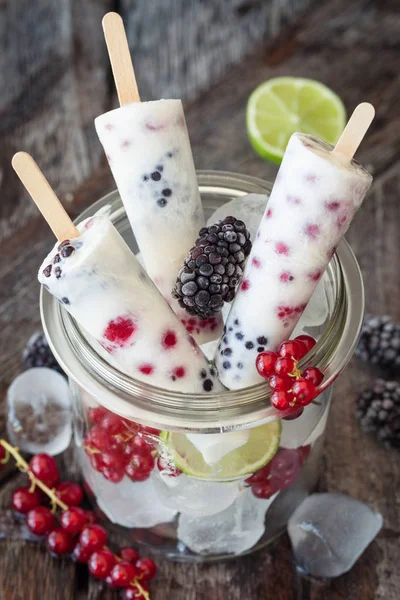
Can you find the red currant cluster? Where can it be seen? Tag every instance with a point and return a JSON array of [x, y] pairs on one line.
[[279, 473], [291, 389], [117, 447], [74, 531]]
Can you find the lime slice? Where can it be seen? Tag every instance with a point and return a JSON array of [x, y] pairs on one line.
[[256, 453], [284, 105]]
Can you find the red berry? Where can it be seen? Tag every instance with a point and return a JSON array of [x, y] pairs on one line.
[[259, 476], [304, 391], [73, 520], [284, 365], [280, 382], [120, 330], [110, 582], [265, 489], [113, 475], [70, 492], [93, 537], [80, 555], [295, 414], [304, 452], [147, 568], [314, 375], [170, 469], [44, 468], [265, 363], [151, 430], [128, 554], [96, 414], [100, 563], [291, 348], [59, 542], [123, 573], [282, 399], [90, 517], [96, 460], [134, 593], [308, 341], [40, 520], [114, 459], [284, 468], [99, 438], [23, 500], [112, 424], [140, 465]]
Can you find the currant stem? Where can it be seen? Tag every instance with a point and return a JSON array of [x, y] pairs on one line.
[[23, 466]]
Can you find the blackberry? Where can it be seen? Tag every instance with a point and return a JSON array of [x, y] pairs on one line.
[[380, 342], [213, 268], [37, 353], [378, 409]]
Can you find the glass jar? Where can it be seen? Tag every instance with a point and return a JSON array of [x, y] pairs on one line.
[[169, 502]]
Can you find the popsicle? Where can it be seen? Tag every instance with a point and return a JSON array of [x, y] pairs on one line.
[[147, 146], [317, 192], [97, 278]]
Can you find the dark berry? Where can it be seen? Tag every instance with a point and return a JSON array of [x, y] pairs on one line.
[[380, 342], [167, 192], [156, 176], [47, 271], [57, 272], [37, 353], [162, 202], [378, 409], [67, 251], [208, 385]]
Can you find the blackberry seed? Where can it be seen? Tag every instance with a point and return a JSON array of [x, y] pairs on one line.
[[187, 275], [189, 289], [202, 298], [203, 282]]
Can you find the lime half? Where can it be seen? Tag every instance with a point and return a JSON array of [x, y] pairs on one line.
[[256, 453], [281, 106]]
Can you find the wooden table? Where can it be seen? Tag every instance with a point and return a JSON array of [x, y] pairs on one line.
[[354, 48]]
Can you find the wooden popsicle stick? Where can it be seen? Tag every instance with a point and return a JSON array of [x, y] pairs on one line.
[[355, 130], [120, 58], [43, 196]]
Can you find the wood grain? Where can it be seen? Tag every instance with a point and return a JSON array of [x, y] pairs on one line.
[[353, 48]]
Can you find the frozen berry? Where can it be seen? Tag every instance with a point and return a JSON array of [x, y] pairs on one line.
[[265, 363], [37, 353], [100, 563], [44, 468], [70, 493], [59, 542], [93, 537], [23, 500], [120, 330], [40, 520]]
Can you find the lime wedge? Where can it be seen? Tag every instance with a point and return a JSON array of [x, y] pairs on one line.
[[260, 448], [281, 106]]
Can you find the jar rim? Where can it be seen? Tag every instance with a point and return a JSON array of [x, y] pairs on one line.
[[211, 412]]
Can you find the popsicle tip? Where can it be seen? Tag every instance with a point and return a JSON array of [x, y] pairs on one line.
[[110, 18], [355, 130]]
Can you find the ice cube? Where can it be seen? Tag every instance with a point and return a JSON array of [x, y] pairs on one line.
[[127, 503], [249, 209], [39, 411], [214, 446], [196, 497], [329, 532], [309, 426], [233, 531]]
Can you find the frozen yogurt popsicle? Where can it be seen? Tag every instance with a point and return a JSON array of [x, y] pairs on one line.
[[148, 148], [316, 195], [100, 282]]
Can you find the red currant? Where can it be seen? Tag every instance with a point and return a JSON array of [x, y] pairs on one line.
[[99, 438], [280, 382], [147, 568], [284, 365], [265, 489], [110, 582], [113, 475], [292, 348], [96, 414], [282, 399], [70, 492], [58, 542], [140, 466], [128, 554], [96, 460], [134, 593], [40, 520], [112, 423], [114, 459], [73, 520], [151, 431], [304, 391], [100, 563], [80, 555], [123, 573], [170, 469], [93, 537], [314, 375], [284, 468], [308, 341], [295, 414], [44, 468], [90, 517], [265, 363], [258, 476], [23, 500]]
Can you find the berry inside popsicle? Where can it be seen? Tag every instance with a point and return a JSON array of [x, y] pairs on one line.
[[316, 195]]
